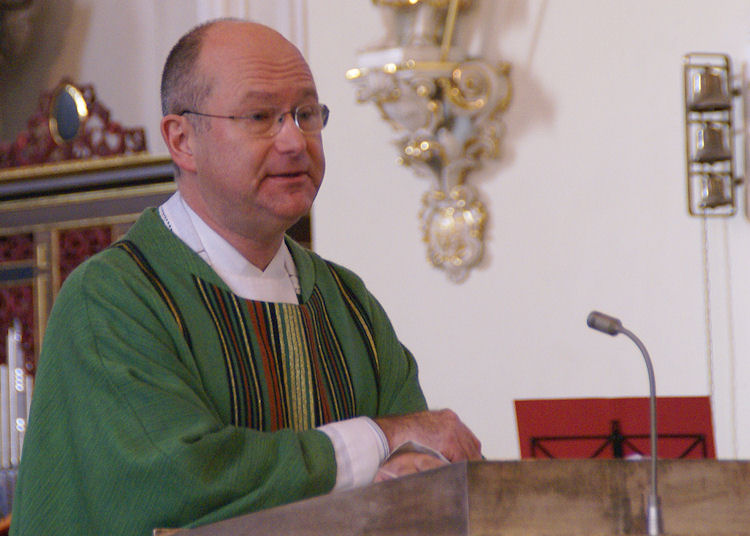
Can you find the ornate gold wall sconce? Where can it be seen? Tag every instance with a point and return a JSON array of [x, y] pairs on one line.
[[715, 148], [446, 111]]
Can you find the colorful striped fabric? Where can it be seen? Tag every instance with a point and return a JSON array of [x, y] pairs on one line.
[[284, 362]]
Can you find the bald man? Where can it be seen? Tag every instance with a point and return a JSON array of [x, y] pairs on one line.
[[207, 366]]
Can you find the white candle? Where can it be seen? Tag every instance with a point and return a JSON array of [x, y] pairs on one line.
[[4, 418], [12, 398]]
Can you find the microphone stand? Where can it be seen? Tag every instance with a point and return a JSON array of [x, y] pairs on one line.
[[612, 326]]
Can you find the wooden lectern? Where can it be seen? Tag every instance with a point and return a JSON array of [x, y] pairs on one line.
[[529, 498]]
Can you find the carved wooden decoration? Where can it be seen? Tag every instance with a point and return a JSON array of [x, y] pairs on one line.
[[96, 136]]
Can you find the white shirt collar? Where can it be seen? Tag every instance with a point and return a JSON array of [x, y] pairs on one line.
[[277, 283]]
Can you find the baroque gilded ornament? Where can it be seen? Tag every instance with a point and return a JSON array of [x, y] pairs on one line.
[[445, 109]]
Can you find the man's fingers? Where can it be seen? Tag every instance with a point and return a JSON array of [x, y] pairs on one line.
[[407, 463], [472, 447], [441, 430], [460, 442]]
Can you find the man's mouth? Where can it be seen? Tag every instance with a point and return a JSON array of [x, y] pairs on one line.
[[288, 174]]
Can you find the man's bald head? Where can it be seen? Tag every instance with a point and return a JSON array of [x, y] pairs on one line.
[[185, 84]]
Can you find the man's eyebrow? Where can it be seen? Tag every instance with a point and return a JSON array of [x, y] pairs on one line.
[[258, 95], [310, 92], [267, 96]]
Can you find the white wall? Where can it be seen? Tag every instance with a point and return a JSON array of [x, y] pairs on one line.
[[587, 202], [587, 211]]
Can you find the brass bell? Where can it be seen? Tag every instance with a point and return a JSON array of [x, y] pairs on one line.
[[710, 144], [713, 193], [709, 90]]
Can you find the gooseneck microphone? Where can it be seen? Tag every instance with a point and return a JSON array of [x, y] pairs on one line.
[[612, 326]]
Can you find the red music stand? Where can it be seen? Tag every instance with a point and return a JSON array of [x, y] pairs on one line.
[[614, 428]]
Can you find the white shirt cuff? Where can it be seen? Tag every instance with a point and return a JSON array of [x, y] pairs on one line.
[[360, 447]]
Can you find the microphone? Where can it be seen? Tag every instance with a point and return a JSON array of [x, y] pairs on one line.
[[604, 323], [612, 326]]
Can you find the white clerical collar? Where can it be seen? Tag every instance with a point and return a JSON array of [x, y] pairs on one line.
[[277, 283]]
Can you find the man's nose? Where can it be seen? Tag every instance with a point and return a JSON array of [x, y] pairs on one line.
[[289, 138]]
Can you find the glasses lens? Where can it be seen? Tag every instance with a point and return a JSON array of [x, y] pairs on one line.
[[311, 117], [261, 122]]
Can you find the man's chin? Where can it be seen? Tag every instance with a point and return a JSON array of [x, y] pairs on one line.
[[292, 213], [287, 205]]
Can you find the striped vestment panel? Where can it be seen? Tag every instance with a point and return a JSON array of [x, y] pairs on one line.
[[284, 363]]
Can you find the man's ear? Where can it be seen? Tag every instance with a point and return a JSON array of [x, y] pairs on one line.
[[178, 135]]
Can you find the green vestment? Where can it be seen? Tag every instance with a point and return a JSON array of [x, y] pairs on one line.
[[164, 400]]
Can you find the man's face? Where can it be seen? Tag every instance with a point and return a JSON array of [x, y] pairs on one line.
[[246, 185]]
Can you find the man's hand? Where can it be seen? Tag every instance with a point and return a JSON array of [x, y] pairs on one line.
[[407, 463], [440, 430]]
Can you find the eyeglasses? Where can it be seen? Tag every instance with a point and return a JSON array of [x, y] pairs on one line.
[[267, 122]]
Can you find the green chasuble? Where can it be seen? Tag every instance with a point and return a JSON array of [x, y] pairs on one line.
[[164, 400]]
